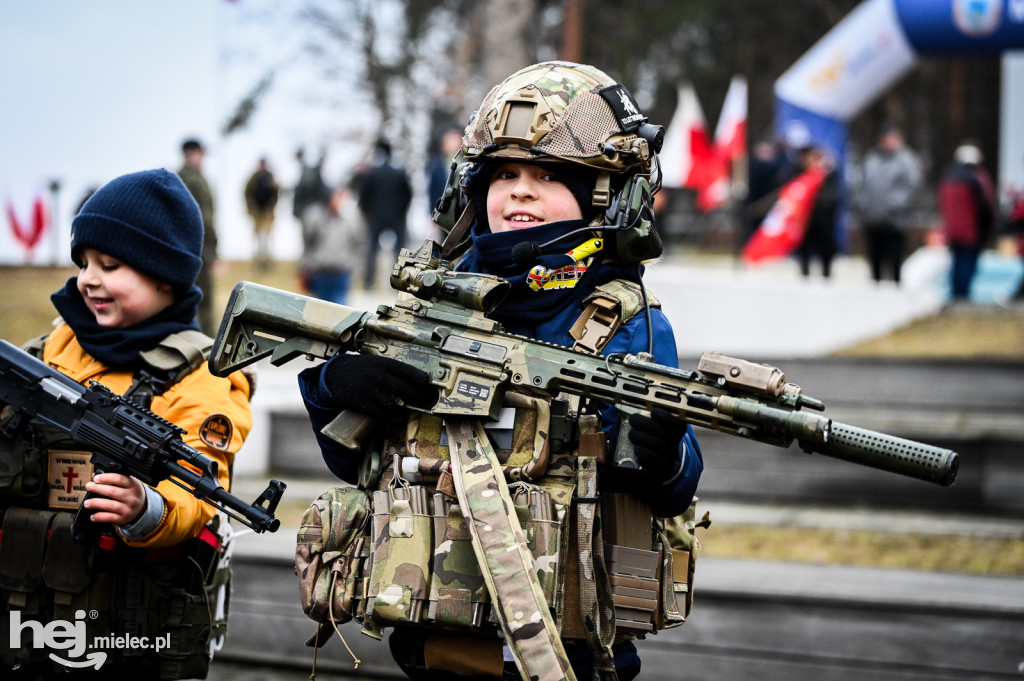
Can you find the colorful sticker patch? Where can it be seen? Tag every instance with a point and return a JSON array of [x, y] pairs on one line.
[[216, 431]]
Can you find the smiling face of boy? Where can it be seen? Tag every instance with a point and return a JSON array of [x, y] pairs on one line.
[[523, 195], [117, 294]]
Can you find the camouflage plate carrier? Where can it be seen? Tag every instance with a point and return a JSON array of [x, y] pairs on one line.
[[456, 529]]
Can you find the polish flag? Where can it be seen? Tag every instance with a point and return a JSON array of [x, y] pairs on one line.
[[731, 132], [689, 158], [687, 147], [783, 228], [728, 149]]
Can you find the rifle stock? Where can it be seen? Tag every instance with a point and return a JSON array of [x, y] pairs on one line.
[[123, 438], [439, 324]]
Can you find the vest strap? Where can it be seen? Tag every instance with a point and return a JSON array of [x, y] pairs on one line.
[[598, 323], [456, 242], [596, 610], [605, 309], [500, 547]]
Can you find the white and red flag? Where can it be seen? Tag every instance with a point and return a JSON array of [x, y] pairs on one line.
[[728, 149], [687, 155], [691, 159], [731, 131]]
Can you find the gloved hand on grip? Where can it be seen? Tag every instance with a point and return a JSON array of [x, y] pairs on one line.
[[655, 440], [375, 386]]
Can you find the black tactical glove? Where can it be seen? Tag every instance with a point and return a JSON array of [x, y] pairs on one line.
[[375, 386], [655, 440]]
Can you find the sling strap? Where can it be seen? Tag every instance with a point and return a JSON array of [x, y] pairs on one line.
[[596, 609], [500, 547]]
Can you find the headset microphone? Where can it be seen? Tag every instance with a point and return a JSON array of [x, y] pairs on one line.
[[526, 253]]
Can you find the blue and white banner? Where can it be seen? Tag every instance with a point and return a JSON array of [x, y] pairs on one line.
[[879, 42], [851, 65], [947, 27]]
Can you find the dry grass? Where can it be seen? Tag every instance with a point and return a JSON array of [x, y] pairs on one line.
[[941, 553], [959, 332]]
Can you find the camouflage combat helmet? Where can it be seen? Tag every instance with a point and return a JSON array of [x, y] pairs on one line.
[[562, 112], [565, 111]]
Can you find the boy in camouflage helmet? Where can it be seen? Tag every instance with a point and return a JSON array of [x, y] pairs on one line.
[[536, 200]]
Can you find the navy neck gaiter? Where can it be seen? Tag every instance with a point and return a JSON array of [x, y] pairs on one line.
[[120, 348]]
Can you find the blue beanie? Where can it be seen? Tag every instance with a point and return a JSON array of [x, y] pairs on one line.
[[578, 179], [147, 220]]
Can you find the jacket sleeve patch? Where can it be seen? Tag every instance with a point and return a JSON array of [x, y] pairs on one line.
[[216, 431]]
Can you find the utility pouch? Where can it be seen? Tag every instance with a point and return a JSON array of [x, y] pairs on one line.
[[329, 555], [542, 519], [68, 565], [633, 562], [458, 594], [193, 621], [23, 550], [402, 553], [679, 547]]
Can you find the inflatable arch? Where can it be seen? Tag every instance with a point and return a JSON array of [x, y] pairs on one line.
[[876, 45]]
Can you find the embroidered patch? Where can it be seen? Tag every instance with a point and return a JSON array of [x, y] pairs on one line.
[[67, 474], [216, 431], [543, 279], [624, 106]]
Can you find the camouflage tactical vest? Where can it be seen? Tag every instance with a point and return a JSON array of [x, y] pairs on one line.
[[158, 613], [398, 550]]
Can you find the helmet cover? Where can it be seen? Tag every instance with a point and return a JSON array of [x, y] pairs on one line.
[[572, 112]]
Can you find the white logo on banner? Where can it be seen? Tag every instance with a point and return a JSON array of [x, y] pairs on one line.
[[1015, 11], [977, 17]]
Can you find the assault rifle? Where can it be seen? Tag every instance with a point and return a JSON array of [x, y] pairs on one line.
[[439, 324], [122, 437]]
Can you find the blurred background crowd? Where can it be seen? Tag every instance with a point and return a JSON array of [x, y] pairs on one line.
[[317, 96]]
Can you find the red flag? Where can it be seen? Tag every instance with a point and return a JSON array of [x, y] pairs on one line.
[[29, 235], [783, 228], [709, 176]]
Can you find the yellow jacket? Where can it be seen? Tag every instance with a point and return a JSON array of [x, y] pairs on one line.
[[213, 411]]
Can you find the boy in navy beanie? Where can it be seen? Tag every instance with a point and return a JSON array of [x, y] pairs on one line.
[[148, 220], [127, 320]]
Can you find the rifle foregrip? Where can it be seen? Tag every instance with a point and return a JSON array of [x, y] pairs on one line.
[[893, 454]]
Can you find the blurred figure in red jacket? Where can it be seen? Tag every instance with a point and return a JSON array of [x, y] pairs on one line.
[[968, 207]]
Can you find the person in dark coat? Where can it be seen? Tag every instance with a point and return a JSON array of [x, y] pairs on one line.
[[820, 236], [192, 175], [384, 198]]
